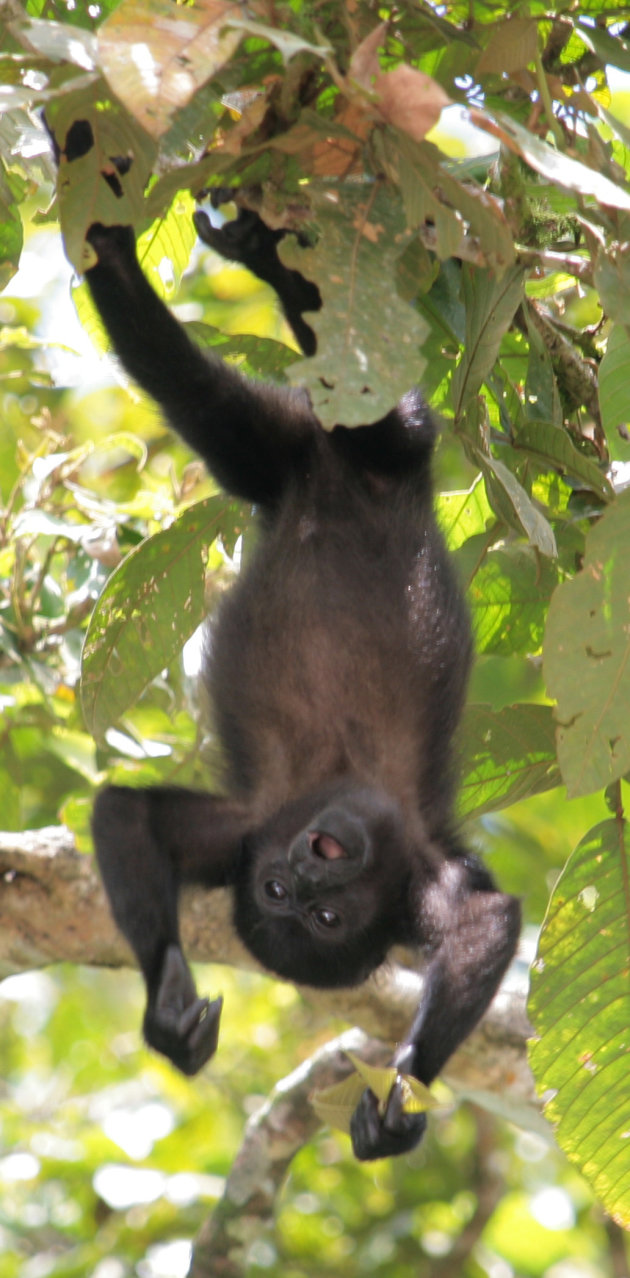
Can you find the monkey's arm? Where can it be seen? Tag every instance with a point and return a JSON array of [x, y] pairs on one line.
[[148, 843], [251, 436], [475, 931], [251, 242]]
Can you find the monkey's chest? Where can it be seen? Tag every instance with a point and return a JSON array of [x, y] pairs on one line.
[[307, 675]]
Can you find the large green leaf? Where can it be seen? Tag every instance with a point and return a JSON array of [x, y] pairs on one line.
[[580, 1009], [150, 606], [508, 755], [587, 658], [84, 197], [368, 337]]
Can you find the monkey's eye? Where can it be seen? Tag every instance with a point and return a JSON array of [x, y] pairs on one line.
[[276, 890], [326, 918]]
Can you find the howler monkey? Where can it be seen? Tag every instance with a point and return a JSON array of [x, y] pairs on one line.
[[337, 669]]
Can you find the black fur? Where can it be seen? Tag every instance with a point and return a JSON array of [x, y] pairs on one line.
[[338, 670]]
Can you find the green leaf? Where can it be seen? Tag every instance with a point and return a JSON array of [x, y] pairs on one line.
[[516, 506], [335, 1105], [170, 237], [508, 755], [464, 514], [368, 338], [611, 277], [614, 388], [508, 600], [380, 1081], [587, 658], [84, 196], [542, 398], [11, 232], [580, 1009], [150, 606]]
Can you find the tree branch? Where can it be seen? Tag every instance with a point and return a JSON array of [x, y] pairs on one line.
[[272, 1139], [53, 909]]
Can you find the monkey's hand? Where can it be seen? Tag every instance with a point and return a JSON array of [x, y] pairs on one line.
[[178, 1023], [376, 1135]]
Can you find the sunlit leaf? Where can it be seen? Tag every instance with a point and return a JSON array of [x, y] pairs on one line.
[[335, 1105], [464, 514], [553, 165], [156, 58], [509, 596], [586, 658], [580, 1010]]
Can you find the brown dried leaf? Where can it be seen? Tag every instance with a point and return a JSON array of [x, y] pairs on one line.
[[406, 98], [410, 100]]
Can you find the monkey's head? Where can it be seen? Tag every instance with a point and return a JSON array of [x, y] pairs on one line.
[[321, 891]]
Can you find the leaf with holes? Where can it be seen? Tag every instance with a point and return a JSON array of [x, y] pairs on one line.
[[587, 658], [580, 1009], [150, 606]]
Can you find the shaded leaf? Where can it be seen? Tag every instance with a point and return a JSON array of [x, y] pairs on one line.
[[513, 44], [551, 445], [580, 1009], [441, 192], [517, 507]]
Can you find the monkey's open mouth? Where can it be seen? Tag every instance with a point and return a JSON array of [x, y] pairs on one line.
[[326, 847]]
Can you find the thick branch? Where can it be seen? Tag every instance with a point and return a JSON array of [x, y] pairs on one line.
[[53, 909]]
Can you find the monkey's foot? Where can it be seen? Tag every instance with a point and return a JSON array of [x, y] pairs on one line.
[[178, 1023], [376, 1135]]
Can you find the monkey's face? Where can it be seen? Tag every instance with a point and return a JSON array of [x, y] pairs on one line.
[[319, 887]]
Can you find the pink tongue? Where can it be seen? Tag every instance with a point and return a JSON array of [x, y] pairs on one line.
[[325, 846]]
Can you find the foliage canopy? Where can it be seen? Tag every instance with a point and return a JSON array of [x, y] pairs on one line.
[[493, 267]]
